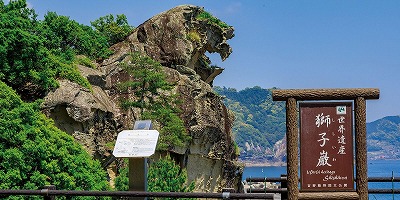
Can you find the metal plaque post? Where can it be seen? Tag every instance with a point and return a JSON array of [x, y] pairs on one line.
[[137, 145]]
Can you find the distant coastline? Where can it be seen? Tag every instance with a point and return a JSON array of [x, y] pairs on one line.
[[248, 163], [263, 164]]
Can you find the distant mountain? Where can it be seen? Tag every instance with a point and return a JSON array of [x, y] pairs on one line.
[[259, 128], [383, 138], [260, 122]]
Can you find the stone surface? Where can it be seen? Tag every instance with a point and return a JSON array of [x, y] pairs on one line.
[[168, 38], [91, 117], [94, 117]]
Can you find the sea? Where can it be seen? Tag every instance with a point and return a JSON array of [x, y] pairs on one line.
[[376, 168]]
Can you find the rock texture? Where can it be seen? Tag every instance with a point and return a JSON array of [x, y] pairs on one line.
[[176, 38], [91, 117], [178, 41]]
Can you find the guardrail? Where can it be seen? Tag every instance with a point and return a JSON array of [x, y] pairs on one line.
[[283, 189], [50, 194]]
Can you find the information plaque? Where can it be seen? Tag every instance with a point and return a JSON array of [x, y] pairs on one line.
[[136, 143], [326, 146]]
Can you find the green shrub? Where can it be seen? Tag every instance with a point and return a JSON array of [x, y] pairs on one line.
[[237, 149], [115, 29], [166, 176], [163, 175], [62, 33], [36, 53], [122, 180], [34, 153], [68, 71], [85, 61]]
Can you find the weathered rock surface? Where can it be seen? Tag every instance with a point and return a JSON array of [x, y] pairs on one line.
[[176, 37], [91, 117], [95, 119]]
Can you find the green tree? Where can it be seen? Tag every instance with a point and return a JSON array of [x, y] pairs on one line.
[[22, 54], [166, 176], [114, 29], [147, 84], [34, 153], [154, 99], [33, 54], [68, 35]]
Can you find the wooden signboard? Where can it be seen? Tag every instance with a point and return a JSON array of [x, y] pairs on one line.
[[326, 147]]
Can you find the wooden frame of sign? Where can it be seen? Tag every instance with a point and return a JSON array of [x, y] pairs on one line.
[[358, 96]]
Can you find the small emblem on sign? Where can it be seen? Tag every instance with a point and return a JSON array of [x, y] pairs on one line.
[[341, 110]]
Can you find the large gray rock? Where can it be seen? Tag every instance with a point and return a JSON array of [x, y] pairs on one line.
[[94, 117], [90, 116], [176, 37]]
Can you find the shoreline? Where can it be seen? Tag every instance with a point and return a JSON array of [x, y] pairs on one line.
[[283, 164], [264, 164]]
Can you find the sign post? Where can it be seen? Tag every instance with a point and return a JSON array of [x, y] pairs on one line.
[[320, 158], [137, 145], [326, 147]]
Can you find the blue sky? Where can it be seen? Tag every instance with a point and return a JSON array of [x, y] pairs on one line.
[[287, 44]]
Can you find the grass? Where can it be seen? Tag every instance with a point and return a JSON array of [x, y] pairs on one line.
[[211, 19], [85, 61]]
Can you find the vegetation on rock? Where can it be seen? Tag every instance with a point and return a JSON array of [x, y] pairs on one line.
[[204, 15], [114, 29], [122, 180], [66, 35], [154, 99]]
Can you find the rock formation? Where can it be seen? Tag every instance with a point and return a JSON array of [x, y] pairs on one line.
[[178, 40]]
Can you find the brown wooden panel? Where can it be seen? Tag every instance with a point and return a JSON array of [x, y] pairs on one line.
[[326, 147]]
